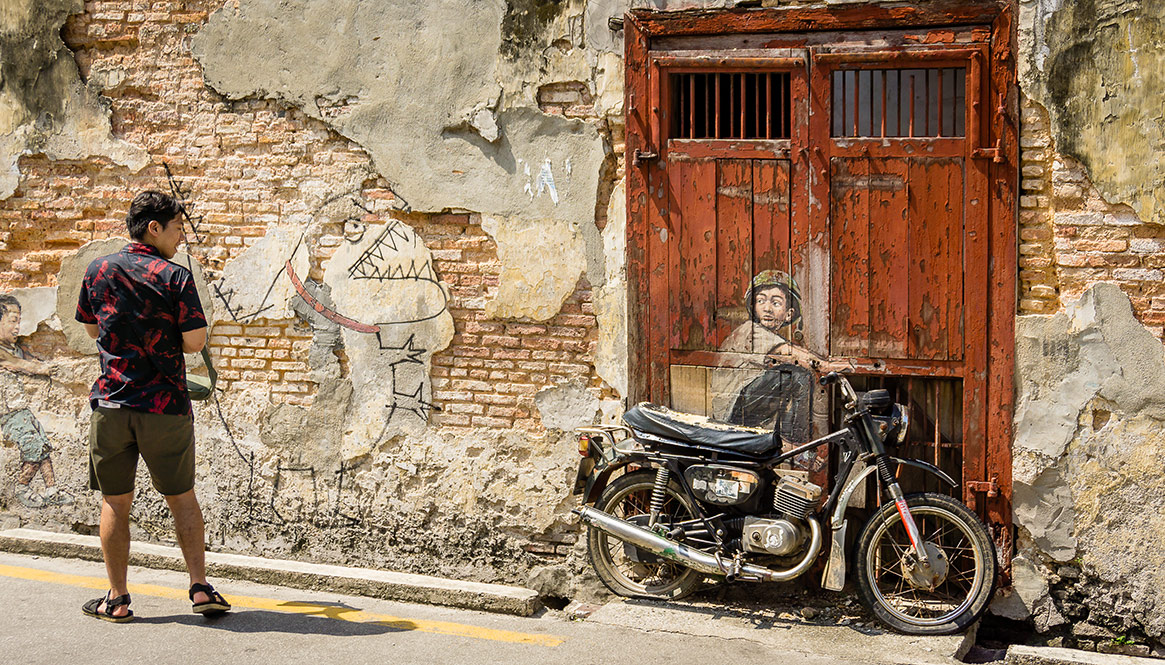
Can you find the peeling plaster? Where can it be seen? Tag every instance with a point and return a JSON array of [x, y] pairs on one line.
[[1087, 473], [368, 71], [44, 106], [541, 264], [72, 273], [255, 283], [610, 298], [566, 407], [37, 305], [1099, 69]]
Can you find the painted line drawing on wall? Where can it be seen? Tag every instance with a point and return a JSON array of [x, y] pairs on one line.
[[373, 264], [18, 424], [325, 311], [404, 371], [179, 192]]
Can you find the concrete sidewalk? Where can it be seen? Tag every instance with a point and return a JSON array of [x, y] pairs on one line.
[[1025, 655], [403, 587]]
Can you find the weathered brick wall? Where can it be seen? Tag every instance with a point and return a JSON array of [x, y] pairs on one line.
[[243, 165], [1071, 238]]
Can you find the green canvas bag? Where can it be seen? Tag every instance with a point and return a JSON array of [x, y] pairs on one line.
[[202, 387]]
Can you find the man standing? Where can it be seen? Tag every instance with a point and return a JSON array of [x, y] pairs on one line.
[[144, 313]]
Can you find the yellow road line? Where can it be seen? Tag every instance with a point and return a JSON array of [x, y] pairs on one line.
[[293, 607]]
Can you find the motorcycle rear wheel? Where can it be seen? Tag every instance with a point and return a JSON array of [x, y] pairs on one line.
[[626, 497], [964, 551]]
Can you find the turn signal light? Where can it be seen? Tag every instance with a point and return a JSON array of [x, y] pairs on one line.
[[584, 445]]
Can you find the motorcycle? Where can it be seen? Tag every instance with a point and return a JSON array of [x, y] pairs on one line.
[[672, 498]]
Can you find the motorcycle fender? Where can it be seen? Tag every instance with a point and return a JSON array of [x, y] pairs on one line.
[[597, 481], [857, 476], [929, 468], [834, 577]]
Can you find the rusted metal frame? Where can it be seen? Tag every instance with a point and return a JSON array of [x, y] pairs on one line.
[[692, 106], [769, 106], [729, 148], [877, 148], [928, 56], [718, 77], [725, 63], [813, 19], [889, 38], [1003, 277]]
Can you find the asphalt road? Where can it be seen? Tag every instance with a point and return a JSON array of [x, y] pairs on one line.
[[41, 622]]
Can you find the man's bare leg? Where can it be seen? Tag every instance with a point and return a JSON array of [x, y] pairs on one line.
[[190, 530], [115, 545]]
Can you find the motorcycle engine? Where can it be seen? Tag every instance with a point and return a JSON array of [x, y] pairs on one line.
[[771, 536], [794, 497]]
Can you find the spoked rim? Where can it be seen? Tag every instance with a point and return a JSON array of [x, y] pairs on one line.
[[647, 578], [919, 606]]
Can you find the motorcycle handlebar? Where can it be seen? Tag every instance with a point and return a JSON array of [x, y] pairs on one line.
[[846, 388]]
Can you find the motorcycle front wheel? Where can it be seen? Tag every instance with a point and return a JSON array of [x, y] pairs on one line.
[[948, 597], [626, 570]]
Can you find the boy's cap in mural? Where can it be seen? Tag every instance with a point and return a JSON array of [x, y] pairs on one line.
[[779, 278]]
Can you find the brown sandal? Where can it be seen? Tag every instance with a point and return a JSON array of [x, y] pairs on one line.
[[90, 608], [216, 605]]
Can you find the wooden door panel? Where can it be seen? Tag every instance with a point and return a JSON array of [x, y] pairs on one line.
[[724, 235], [935, 208], [889, 259], [849, 322], [692, 255], [734, 224], [897, 264]]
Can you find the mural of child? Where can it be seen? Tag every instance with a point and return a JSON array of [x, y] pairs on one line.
[[782, 393], [20, 425]]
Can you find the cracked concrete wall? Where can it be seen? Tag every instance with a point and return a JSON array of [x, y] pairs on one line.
[[440, 129], [1091, 385], [44, 106], [1089, 493]]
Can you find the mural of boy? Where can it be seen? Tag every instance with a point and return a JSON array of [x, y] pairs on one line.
[[783, 392], [20, 426]]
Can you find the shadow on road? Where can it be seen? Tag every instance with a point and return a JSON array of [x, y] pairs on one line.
[[301, 619]]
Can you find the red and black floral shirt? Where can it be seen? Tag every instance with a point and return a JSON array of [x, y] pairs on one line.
[[141, 304]]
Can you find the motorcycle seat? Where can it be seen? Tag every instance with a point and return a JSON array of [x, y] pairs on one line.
[[700, 430]]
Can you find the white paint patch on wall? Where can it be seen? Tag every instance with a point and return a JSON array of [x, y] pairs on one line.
[[255, 284], [541, 263], [386, 282], [37, 305]]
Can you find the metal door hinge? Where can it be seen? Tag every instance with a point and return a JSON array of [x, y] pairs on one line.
[[638, 157], [989, 486]]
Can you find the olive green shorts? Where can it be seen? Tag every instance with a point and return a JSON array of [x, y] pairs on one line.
[[118, 436]]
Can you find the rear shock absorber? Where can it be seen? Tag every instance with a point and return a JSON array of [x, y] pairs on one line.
[[658, 494]]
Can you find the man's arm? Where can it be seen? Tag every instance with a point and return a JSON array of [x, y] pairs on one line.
[[193, 340], [91, 329]]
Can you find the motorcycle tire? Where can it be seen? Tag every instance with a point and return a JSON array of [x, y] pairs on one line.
[[888, 577], [628, 496]]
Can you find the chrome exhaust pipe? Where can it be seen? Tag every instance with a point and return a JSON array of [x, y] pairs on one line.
[[693, 558]]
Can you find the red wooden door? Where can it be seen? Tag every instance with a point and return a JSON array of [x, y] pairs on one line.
[[873, 209]]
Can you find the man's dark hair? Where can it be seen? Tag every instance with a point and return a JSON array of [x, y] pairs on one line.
[[147, 207], [7, 303]]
